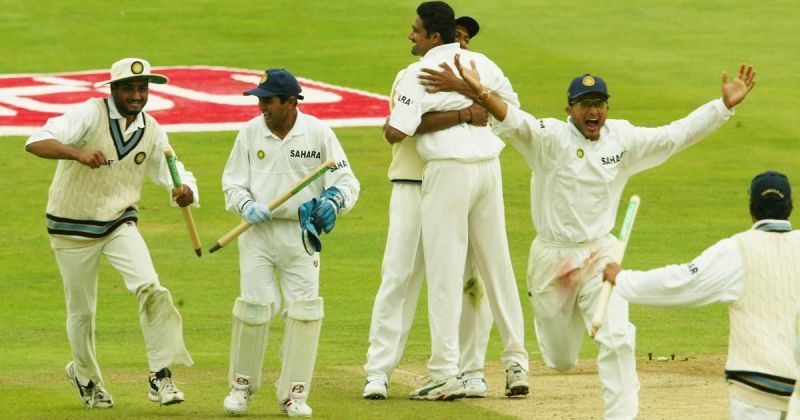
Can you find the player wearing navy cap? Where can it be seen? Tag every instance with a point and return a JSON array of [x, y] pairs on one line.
[[581, 168], [272, 152], [757, 272]]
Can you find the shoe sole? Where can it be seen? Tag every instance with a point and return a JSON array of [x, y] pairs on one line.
[[156, 399], [517, 391], [375, 396], [440, 397]]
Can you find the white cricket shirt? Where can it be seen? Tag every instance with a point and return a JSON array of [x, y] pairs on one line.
[[463, 142], [262, 166], [579, 182]]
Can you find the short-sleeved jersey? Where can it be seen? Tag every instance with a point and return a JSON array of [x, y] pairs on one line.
[[262, 166], [462, 142]]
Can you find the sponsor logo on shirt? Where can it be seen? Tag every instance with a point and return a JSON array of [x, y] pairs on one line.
[[339, 165], [305, 154], [405, 100], [612, 160]]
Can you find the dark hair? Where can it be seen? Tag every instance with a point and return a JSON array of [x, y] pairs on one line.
[[771, 208], [438, 16]]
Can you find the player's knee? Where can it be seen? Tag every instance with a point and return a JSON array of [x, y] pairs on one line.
[[617, 342], [80, 318]]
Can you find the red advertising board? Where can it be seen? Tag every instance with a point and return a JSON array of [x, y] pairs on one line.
[[197, 98]]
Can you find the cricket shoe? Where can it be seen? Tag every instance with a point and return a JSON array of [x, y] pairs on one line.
[[236, 401], [375, 389], [295, 406], [441, 390], [92, 395], [162, 389], [516, 381], [475, 387]]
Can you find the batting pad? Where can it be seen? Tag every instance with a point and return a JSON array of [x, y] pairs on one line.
[[303, 324], [248, 342]]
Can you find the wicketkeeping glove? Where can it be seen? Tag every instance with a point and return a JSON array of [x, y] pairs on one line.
[[255, 213], [309, 234], [327, 207]]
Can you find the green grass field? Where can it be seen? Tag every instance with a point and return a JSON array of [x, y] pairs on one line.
[[660, 59]]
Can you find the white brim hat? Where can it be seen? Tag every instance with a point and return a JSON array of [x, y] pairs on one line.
[[130, 68]]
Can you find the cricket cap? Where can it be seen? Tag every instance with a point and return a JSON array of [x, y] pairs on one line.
[[276, 82], [770, 187], [585, 84], [470, 24]]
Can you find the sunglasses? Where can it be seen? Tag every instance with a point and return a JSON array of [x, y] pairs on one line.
[[591, 103]]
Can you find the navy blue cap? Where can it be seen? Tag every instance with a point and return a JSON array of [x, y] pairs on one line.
[[770, 187], [470, 24], [276, 82], [584, 84]]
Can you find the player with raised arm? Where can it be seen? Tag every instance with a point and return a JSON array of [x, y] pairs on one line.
[[461, 209], [757, 273], [582, 166], [403, 267]]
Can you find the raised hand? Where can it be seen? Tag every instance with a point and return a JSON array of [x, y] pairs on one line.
[[442, 81], [734, 92], [470, 75]]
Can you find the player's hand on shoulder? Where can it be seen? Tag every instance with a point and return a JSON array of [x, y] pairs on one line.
[[256, 213], [183, 195], [92, 158]]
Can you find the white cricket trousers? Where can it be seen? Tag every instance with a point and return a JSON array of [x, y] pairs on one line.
[[273, 252], [564, 305], [402, 273], [462, 206], [127, 252], [740, 410]]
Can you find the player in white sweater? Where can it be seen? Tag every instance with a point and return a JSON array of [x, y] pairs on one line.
[[757, 272]]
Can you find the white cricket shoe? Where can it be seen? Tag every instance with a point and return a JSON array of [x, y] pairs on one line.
[[475, 387], [162, 388], [441, 390], [295, 406], [516, 381], [236, 401], [375, 389], [92, 395]]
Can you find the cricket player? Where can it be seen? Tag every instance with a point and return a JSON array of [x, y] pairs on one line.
[[462, 170], [105, 147], [272, 152], [403, 267], [757, 272], [581, 168]]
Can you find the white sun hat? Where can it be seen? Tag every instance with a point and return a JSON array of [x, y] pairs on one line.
[[129, 68]]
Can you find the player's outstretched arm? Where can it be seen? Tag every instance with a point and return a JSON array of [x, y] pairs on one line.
[[734, 92], [496, 106]]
